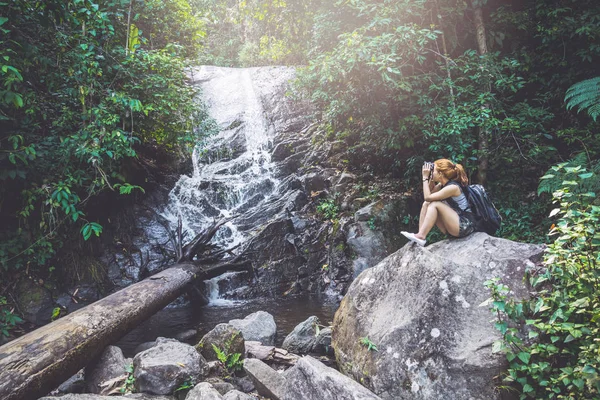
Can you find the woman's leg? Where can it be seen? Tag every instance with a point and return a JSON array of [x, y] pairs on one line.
[[438, 212], [439, 222]]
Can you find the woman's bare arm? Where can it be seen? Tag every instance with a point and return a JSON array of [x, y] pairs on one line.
[[441, 194]]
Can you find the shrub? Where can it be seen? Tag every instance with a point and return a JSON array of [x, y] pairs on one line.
[[557, 353]]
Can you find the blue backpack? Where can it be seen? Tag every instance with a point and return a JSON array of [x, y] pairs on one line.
[[487, 217]]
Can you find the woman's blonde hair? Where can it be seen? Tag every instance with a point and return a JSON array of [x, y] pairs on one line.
[[451, 171]]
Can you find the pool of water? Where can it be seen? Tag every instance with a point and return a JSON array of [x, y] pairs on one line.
[[287, 312]]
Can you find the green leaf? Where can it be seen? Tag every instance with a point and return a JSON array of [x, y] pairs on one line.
[[588, 370], [533, 334], [3, 20], [523, 356]]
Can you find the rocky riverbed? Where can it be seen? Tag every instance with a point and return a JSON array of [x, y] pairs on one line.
[[415, 326]]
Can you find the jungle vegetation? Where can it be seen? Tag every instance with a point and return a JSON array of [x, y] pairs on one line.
[[509, 88]]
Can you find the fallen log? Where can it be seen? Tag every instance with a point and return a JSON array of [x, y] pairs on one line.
[[34, 364]]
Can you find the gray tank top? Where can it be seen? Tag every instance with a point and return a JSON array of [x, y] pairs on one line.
[[461, 200]]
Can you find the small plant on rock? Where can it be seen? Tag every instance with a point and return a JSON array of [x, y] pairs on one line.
[[128, 385], [231, 361], [328, 209], [365, 341]]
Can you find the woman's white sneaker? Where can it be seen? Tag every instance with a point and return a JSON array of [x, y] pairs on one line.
[[413, 238]]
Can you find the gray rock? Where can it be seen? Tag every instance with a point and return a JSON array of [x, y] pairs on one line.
[[204, 391], [255, 349], [365, 213], [166, 366], [302, 339], [135, 396], [75, 384], [109, 366], [237, 395], [244, 384], [268, 382], [225, 337], [259, 326], [314, 182], [310, 379], [420, 307], [220, 385]]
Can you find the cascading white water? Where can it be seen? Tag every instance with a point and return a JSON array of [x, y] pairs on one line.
[[233, 172], [222, 186]]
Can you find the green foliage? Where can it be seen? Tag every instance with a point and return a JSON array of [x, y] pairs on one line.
[[232, 361], [570, 171], [328, 209], [365, 341], [8, 319], [551, 341], [585, 95], [372, 223], [81, 93], [55, 313], [129, 384], [186, 385]]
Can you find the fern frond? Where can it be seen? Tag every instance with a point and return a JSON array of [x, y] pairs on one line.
[[585, 95]]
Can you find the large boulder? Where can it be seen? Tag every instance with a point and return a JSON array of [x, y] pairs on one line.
[[310, 379], [420, 307], [259, 326], [166, 366], [224, 336]]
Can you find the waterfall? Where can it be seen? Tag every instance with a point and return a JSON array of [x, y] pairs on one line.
[[232, 171]]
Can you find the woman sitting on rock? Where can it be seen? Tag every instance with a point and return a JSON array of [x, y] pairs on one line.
[[445, 204]]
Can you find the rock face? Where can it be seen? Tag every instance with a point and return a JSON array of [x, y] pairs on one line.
[[166, 366], [310, 379], [420, 307], [259, 326]]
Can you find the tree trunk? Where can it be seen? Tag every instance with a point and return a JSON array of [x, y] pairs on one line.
[[484, 135], [34, 364]]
